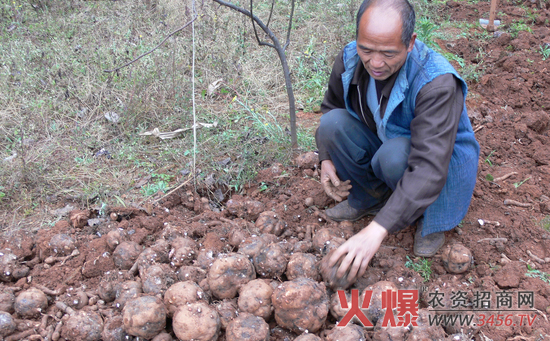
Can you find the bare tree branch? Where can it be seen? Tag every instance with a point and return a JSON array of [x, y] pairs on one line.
[[282, 57], [154, 48], [289, 26], [270, 13], [261, 43]]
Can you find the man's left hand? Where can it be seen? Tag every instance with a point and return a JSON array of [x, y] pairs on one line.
[[358, 251]]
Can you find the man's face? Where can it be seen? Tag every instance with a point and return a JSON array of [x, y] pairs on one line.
[[379, 42]]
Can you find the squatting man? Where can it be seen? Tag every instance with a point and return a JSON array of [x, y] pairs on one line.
[[394, 137]]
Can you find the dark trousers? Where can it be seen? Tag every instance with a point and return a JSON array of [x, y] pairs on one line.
[[373, 167]]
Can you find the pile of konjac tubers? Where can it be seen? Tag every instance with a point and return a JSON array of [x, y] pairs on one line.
[[241, 274]]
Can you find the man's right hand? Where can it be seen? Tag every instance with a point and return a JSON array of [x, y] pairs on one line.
[[332, 185]]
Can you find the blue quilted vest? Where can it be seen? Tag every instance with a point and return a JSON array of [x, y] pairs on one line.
[[421, 67]]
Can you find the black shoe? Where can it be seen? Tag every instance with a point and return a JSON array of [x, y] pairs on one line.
[[429, 245], [343, 211]]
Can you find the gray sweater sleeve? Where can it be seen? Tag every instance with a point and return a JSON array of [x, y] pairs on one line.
[[438, 108]]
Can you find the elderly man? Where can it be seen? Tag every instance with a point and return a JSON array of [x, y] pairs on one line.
[[395, 136]]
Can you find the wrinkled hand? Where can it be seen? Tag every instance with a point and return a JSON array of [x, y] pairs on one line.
[[358, 251], [332, 185]]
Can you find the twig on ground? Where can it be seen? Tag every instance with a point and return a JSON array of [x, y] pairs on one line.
[[57, 332], [479, 128], [492, 222], [49, 332], [493, 240], [49, 291], [23, 325], [133, 270], [20, 336], [505, 176], [505, 257], [64, 308], [541, 313], [154, 48], [213, 223], [44, 322], [50, 260], [309, 232], [516, 203], [535, 257]]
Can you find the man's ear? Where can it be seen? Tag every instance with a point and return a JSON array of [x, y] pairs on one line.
[[411, 43]]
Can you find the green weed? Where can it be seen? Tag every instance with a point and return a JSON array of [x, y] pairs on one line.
[[544, 50], [423, 266], [425, 28], [545, 223], [488, 159], [517, 184], [537, 274], [152, 189], [517, 27]]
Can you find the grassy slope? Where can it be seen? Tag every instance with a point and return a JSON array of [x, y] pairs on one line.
[[54, 94]]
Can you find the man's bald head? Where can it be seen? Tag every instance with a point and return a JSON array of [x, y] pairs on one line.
[[403, 7]]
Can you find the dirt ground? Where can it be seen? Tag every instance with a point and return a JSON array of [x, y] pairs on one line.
[[504, 228]]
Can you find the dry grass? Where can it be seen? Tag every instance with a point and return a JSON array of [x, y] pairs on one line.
[[54, 94]]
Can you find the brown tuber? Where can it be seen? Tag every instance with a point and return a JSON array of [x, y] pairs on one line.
[[144, 316], [7, 299], [183, 252], [251, 246], [196, 321], [307, 160], [374, 312], [191, 273], [300, 305], [308, 337], [62, 244], [7, 265], [249, 209], [327, 239], [456, 258], [127, 291], [228, 274], [349, 332], [247, 327], [302, 265], [107, 291], [182, 293], [7, 324], [126, 254], [268, 222], [113, 329], [271, 261], [84, 326], [30, 303], [255, 298], [157, 278], [228, 311], [114, 238]]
